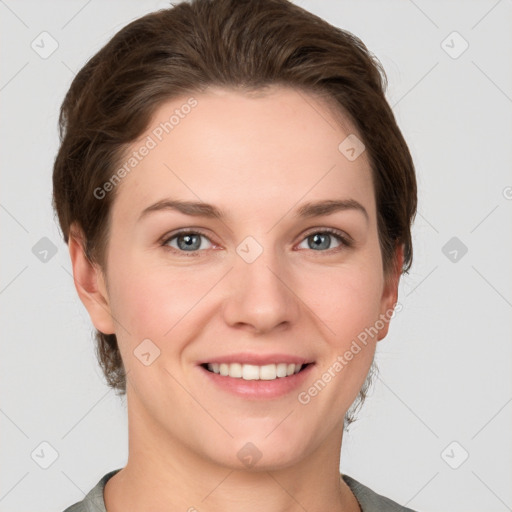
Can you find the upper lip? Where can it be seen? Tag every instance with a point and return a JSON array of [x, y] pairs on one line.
[[258, 359]]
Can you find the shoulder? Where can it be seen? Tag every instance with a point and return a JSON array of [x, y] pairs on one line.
[[93, 500], [370, 501]]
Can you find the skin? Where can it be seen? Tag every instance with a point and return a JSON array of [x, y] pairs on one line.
[[257, 158]]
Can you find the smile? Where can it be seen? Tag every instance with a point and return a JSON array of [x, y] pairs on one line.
[[256, 382], [254, 372]]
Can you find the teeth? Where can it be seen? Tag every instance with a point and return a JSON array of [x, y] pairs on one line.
[[253, 372]]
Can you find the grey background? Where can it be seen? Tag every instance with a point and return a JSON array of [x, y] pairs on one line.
[[445, 367]]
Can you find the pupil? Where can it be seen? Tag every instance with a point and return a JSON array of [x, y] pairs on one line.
[[318, 238], [190, 241]]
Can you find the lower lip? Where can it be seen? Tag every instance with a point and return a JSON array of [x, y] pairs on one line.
[[259, 389]]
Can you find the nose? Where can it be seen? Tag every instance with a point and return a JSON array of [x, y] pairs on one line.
[[260, 295]]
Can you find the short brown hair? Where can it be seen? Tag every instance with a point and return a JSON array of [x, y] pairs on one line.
[[248, 44]]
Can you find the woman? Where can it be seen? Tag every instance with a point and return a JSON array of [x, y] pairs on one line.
[[237, 200]]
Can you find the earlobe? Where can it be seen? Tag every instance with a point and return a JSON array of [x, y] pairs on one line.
[[390, 292], [90, 284]]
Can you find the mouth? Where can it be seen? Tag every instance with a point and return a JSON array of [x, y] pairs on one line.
[[256, 382], [250, 372]]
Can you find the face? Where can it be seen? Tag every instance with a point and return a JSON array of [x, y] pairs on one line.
[[271, 279]]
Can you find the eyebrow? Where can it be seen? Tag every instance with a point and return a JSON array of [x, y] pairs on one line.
[[307, 210]]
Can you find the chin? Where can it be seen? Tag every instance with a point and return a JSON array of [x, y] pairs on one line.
[[257, 453]]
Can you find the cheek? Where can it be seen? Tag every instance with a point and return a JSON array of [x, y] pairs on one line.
[[153, 301], [151, 305], [347, 300]]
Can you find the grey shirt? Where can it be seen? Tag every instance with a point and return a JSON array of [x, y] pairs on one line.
[[369, 501]]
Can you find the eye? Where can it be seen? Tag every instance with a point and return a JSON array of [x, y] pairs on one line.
[[321, 240], [191, 242], [186, 241]]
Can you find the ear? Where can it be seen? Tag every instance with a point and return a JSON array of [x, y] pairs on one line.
[[90, 283], [390, 293]]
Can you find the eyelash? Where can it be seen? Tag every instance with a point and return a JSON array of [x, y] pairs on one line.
[[345, 241]]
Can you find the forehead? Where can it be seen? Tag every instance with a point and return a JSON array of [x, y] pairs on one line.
[[244, 152]]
